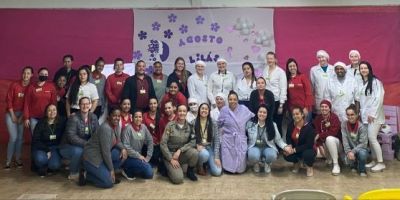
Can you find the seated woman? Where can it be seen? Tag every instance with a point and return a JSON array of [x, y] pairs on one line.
[[355, 140], [45, 141], [173, 95], [300, 138], [80, 127], [263, 136], [232, 123], [98, 159], [178, 148], [134, 137], [327, 128], [207, 139]]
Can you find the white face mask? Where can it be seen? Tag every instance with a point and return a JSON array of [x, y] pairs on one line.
[[193, 108]]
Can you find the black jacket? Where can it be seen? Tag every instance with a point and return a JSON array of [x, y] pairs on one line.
[[306, 138], [45, 135], [269, 101], [130, 90], [182, 88]]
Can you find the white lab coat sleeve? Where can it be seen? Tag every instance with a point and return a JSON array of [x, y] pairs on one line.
[[282, 87], [377, 98], [191, 87], [210, 86], [327, 94]]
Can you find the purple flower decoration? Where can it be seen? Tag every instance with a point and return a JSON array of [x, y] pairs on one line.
[[215, 27], [142, 35], [183, 29], [199, 19], [137, 55], [156, 26], [172, 18], [168, 34], [153, 47]]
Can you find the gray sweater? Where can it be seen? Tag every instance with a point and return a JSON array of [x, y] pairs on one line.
[[100, 84], [76, 132], [175, 138], [355, 142], [98, 148], [134, 141]]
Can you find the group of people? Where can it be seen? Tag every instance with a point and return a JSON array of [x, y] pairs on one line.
[[213, 124]]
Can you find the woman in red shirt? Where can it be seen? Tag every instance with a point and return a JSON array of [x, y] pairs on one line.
[[173, 95], [126, 116], [299, 89], [38, 96], [328, 140], [300, 137], [151, 119], [15, 126]]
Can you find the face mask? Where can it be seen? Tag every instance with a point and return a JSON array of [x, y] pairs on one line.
[[42, 78], [193, 108]]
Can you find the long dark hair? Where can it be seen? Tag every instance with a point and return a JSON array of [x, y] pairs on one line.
[[74, 89], [197, 126], [158, 113], [288, 75], [268, 122], [185, 73], [370, 78], [253, 75]]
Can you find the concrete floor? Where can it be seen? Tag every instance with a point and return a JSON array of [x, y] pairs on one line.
[[23, 184]]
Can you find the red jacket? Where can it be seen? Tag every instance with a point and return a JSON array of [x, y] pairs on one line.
[[113, 88], [152, 126], [300, 92], [15, 96], [37, 98], [331, 127], [178, 99]]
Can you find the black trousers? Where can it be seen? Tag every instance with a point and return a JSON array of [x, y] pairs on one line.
[[308, 157], [277, 118]]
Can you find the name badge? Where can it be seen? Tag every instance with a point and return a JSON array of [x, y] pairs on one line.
[[159, 81], [291, 85], [325, 75], [142, 91], [139, 134], [53, 137], [87, 130], [152, 126], [20, 94], [259, 142], [97, 81], [38, 89], [180, 81], [119, 83]]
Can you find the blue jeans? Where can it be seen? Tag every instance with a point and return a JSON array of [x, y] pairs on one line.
[[115, 157], [99, 176], [74, 155], [41, 161], [361, 158], [16, 139], [136, 167], [254, 155], [207, 155], [32, 123]]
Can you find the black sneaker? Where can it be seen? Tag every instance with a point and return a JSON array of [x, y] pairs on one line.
[[42, 172], [19, 164], [117, 181]]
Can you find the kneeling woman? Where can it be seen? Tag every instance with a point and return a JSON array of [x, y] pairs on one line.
[[45, 141], [178, 147], [300, 137], [98, 159], [263, 136], [355, 140], [134, 137], [207, 139]]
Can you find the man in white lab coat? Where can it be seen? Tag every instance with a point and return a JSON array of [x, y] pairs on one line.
[[340, 91], [319, 76]]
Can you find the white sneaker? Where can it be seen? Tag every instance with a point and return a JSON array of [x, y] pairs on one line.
[[267, 168], [126, 176], [296, 167], [378, 167], [363, 174], [256, 168], [73, 177], [371, 164], [336, 169]]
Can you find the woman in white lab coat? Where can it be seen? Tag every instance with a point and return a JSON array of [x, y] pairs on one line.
[[370, 95], [319, 76], [220, 81], [197, 83]]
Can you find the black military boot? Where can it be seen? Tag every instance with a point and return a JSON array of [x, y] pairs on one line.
[[190, 174]]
